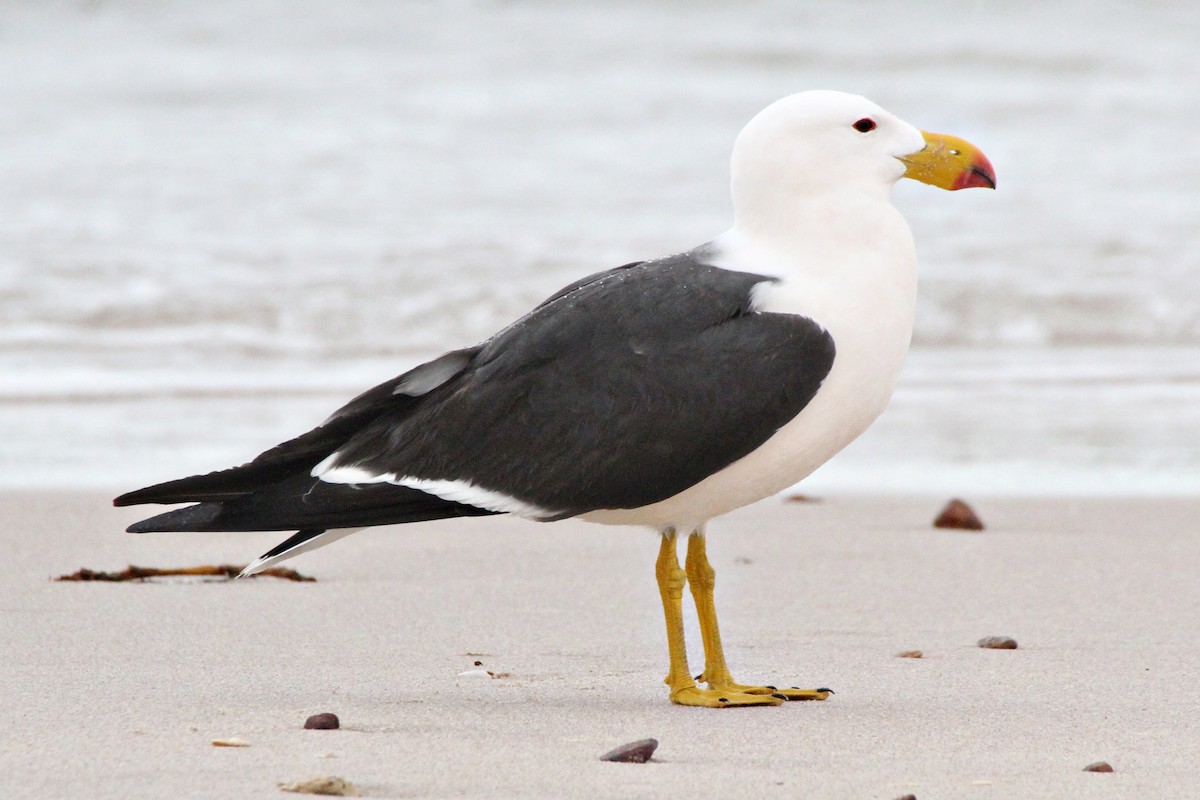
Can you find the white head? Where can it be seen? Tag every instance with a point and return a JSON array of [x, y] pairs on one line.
[[822, 146]]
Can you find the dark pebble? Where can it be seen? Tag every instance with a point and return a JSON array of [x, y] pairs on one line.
[[322, 722], [638, 752], [1099, 766], [960, 516], [998, 643], [907, 797]]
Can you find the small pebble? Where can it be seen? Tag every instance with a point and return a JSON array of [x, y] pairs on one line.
[[322, 722], [329, 785], [638, 752], [960, 516], [232, 741], [998, 643], [1099, 766], [910, 654], [907, 797]]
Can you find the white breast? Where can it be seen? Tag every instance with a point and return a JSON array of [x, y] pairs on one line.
[[868, 306]]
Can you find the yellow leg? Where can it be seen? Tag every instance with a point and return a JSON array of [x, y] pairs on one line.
[[703, 579], [684, 690]]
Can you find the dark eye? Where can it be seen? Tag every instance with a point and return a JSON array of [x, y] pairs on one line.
[[864, 125]]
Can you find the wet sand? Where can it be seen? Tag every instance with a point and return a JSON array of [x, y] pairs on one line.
[[117, 690]]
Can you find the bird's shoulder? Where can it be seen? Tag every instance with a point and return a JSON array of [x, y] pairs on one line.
[[663, 298]]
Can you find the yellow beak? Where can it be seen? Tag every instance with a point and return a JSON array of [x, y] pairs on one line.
[[949, 162]]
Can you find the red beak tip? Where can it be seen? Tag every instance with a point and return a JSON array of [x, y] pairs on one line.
[[980, 175]]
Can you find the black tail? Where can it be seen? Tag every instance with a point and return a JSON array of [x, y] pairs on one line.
[[297, 503], [276, 492], [228, 484], [297, 456]]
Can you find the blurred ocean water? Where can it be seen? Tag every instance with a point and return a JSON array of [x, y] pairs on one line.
[[218, 221]]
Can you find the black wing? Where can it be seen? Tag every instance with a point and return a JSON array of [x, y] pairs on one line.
[[619, 391]]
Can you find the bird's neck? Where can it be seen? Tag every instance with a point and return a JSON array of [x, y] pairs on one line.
[[818, 237]]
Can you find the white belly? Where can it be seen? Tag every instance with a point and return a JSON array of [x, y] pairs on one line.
[[870, 314]]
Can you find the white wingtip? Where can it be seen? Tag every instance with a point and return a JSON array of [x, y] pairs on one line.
[[257, 565], [266, 562]]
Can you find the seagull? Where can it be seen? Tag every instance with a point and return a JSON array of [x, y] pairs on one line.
[[660, 394]]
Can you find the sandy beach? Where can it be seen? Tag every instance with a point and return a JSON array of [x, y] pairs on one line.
[[117, 690]]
